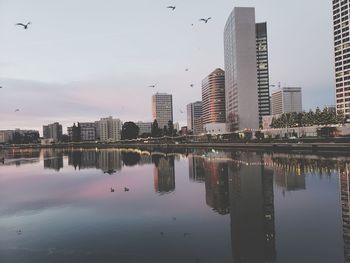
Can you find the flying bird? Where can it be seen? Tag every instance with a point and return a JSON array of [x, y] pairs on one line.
[[112, 190], [153, 86], [16, 110], [192, 85], [25, 26], [172, 7], [205, 20], [181, 111], [187, 69], [126, 189]]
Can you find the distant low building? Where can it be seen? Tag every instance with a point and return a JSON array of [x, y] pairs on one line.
[[53, 131], [87, 131], [6, 136], [286, 100], [144, 127], [195, 117]]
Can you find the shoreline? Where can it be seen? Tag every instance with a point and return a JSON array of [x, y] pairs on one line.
[[252, 146]]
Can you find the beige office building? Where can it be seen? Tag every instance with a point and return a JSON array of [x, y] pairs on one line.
[[162, 108]]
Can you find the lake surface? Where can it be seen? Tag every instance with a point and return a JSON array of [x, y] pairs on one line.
[[195, 206]]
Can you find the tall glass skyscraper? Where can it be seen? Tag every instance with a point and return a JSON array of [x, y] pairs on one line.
[[246, 68], [342, 55]]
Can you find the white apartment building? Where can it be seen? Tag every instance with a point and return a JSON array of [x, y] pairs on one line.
[[110, 129]]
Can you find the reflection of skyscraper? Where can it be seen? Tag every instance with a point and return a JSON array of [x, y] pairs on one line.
[[290, 181], [216, 186], [252, 212], [164, 175], [82, 159], [344, 177], [196, 169], [53, 159]]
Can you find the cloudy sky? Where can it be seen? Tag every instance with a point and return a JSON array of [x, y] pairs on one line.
[[86, 59]]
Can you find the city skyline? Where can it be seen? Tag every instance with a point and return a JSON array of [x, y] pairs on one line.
[[36, 64]]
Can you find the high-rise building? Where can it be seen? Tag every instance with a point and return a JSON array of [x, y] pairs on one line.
[[162, 108], [241, 77], [213, 101], [194, 117], [110, 129], [262, 57], [286, 100], [53, 131], [341, 22]]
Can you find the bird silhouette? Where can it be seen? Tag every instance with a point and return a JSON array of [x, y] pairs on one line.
[[205, 20], [192, 85], [181, 111], [19, 232], [172, 7], [16, 110], [153, 86], [126, 189], [0, 87], [112, 190], [25, 26], [186, 69]]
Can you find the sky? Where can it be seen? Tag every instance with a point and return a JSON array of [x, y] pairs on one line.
[[83, 60]]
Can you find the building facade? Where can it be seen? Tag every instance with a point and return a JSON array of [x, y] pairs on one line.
[[144, 127], [213, 98], [286, 100], [194, 117], [262, 57], [241, 85], [341, 22], [162, 109], [87, 131], [110, 129], [53, 131]]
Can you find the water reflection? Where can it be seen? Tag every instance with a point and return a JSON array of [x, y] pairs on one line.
[[345, 207], [239, 186]]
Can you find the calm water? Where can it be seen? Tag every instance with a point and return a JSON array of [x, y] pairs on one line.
[[196, 206]]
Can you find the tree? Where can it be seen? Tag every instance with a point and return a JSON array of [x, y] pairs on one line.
[[155, 131], [170, 128], [259, 135], [130, 131], [131, 158], [76, 133]]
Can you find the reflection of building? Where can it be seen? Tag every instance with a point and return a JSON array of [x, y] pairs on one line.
[[289, 181], [344, 177], [162, 108], [83, 159], [164, 175], [87, 131], [252, 211], [196, 169], [216, 186], [53, 159], [109, 161]]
